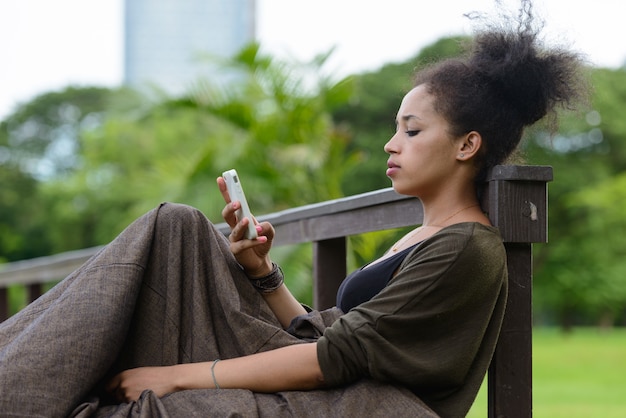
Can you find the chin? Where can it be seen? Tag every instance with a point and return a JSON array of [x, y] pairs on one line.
[[406, 189], [402, 190]]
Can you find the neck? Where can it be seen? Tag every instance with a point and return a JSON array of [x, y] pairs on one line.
[[447, 209]]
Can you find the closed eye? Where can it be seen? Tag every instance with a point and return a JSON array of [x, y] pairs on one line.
[[412, 133]]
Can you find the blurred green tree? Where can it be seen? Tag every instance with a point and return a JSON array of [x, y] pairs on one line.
[[273, 124], [580, 276], [40, 142], [78, 165]]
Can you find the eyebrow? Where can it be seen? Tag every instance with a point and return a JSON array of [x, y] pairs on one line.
[[406, 118]]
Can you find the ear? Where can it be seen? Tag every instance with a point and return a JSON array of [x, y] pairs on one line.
[[469, 145]]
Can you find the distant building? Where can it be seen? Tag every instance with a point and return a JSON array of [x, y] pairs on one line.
[[164, 38]]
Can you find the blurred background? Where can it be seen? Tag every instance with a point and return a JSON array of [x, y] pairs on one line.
[[109, 107]]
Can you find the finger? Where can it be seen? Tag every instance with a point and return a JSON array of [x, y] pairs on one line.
[[238, 241], [117, 391], [113, 384], [120, 395], [239, 247], [229, 215], [265, 229], [221, 184], [238, 231]]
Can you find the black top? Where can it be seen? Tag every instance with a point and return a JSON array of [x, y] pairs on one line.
[[363, 284]]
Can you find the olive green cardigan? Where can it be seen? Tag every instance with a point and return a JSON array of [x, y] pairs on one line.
[[434, 327]]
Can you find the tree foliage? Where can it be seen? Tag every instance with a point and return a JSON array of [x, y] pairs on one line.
[[39, 143], [580, 276], [272, 122], [78, 165]]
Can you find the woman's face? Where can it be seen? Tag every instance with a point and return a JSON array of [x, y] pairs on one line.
[[422, 155]]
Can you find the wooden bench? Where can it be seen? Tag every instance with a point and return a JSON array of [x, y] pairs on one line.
[[515, 199]]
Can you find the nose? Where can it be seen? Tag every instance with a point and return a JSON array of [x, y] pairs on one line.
[[390, 146]]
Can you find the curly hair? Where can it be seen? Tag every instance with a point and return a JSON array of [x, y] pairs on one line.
[[505, 83]]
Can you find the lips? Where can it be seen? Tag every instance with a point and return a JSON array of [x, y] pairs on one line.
[[391, 168]]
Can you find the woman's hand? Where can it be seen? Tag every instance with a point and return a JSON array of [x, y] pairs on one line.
[[294, 367], [128, 385], [252, 254]]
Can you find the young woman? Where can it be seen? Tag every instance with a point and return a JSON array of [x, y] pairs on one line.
[[173, 319]]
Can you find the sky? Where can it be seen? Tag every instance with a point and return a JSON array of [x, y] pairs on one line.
[[47, 45]]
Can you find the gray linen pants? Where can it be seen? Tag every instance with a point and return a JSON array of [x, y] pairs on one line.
[[167, 290]]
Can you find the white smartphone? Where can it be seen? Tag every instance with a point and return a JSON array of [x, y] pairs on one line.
[[235, 191]]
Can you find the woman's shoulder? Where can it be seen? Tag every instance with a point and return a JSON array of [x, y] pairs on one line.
[[465, 240], [460, 261], [463, 234]]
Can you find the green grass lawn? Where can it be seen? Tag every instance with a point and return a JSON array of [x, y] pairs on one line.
[[578, 375]]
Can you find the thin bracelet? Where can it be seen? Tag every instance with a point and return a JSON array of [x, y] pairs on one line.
[[213, 373]]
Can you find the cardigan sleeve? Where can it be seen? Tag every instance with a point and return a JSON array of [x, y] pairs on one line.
[[425, 328]]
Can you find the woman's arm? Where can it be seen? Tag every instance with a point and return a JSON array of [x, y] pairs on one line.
[[253, 255], [284, 305], [293, 367]]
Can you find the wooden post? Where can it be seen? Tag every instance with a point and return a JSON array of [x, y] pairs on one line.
[[517, 205], [510, 372], [34, 291], [4, 304], [329, 270]]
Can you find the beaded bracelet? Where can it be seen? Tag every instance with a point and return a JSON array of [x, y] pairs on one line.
[[271, 282]]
